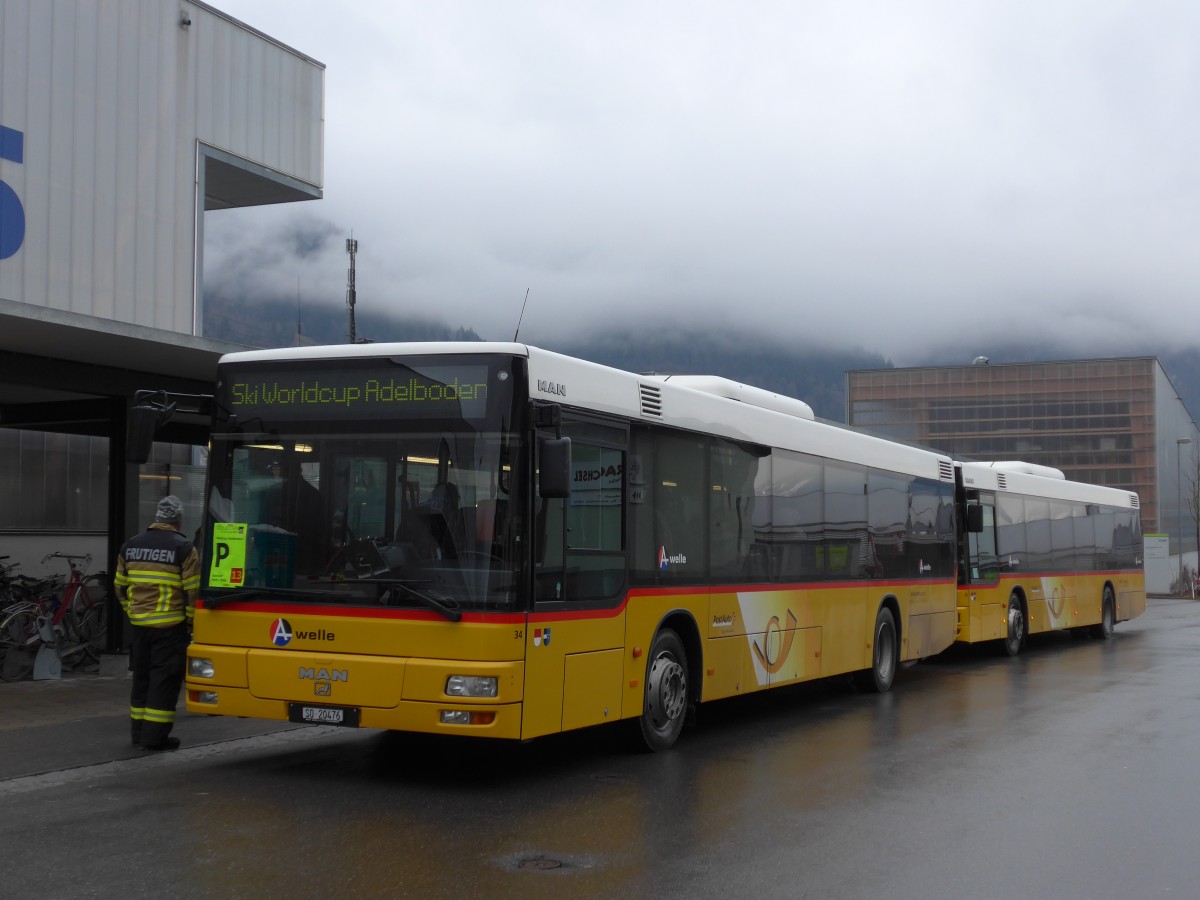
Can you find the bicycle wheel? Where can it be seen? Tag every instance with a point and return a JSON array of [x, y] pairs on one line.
[[19, 643], [85, 618]]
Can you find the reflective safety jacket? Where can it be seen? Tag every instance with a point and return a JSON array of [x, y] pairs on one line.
[[158, 577]]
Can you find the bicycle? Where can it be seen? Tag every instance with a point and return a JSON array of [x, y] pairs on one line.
[[18, 622], [80, 613], [12, 586], [60, 612]]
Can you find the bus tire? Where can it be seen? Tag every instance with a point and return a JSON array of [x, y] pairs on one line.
[[878, 679], [1014, 638], [1108, 615], [666, 692]]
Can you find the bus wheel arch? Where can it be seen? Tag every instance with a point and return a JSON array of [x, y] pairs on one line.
[[671, 682], [1016, 623], [1108, 613], [885, 650]]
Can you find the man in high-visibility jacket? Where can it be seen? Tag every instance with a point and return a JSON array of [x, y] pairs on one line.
[[158, 577]]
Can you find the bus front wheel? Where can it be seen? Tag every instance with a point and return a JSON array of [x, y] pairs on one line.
[[666, 692], [882, 673], [1108, 616], [1015, 636]]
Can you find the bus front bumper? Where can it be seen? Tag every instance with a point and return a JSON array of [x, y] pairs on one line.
[[397, 694]]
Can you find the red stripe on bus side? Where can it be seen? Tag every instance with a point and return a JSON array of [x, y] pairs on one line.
[[422, 615]]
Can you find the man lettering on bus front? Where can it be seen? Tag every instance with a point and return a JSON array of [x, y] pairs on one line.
[[157, 580]]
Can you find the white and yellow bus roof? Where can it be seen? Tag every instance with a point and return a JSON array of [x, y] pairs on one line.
[[705, 404], [1041, 481]]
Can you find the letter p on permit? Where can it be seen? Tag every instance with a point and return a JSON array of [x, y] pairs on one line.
[[222, 554]]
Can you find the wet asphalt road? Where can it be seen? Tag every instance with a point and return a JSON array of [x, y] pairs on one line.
[[1068, 772]]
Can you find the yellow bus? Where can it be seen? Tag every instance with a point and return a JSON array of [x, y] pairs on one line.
[[493, 540], [1040, 553]]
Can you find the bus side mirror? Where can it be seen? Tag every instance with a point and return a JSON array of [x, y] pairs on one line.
[[975, 519], [554, 468], [139, 433]]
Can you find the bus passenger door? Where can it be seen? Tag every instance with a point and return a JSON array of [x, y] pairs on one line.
[[987, 619], [982, 565], [575, 639]]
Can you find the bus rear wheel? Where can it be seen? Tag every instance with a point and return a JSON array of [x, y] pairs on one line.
[[1108, 616], [1015, 620], [666, 692], [882, 673]]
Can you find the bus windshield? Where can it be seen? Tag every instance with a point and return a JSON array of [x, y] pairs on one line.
[[350, 495]]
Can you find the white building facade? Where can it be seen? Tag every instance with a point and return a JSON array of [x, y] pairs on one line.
[[121, 123]]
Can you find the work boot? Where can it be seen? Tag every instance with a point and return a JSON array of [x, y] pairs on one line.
[[171, 743], [135, 731]]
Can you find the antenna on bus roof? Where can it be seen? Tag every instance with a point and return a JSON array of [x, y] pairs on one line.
[[521, 317]]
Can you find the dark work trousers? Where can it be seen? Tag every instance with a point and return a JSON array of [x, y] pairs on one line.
[[158, 657]]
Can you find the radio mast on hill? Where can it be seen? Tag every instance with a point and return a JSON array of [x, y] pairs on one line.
[[352, 249]]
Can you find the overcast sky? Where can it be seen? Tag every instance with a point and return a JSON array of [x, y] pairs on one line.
[[886, 174]]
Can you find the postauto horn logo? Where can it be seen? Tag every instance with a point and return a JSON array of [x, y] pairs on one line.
[[281, 633]]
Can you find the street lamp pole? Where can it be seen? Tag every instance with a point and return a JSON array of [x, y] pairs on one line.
[[1179, 442]]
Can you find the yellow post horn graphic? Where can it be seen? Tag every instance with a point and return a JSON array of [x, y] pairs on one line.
[[773, 666]]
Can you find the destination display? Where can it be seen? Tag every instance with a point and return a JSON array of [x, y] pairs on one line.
[[396, 392]]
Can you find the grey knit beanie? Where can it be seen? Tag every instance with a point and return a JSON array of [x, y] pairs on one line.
[[170, 510]]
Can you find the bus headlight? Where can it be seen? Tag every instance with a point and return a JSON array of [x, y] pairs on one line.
[[198, 667], [470, 686]]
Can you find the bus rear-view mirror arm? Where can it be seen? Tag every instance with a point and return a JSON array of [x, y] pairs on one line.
[[154, 409]]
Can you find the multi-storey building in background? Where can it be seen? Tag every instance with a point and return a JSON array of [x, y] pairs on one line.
[[1115, 422]]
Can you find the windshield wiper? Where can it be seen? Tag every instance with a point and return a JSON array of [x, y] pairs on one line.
[[211, 602], [445, 604]]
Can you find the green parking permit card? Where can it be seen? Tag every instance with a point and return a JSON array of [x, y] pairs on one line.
[[229, 555]]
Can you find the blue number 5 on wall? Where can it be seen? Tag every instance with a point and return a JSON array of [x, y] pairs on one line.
[[12, 213]]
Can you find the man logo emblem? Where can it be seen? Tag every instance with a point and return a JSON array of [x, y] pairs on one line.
[[322, 688]]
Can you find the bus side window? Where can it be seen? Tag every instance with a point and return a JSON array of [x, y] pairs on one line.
[[846, 548], [595, 554], [671, 507], [733, 473], [797, 516]]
